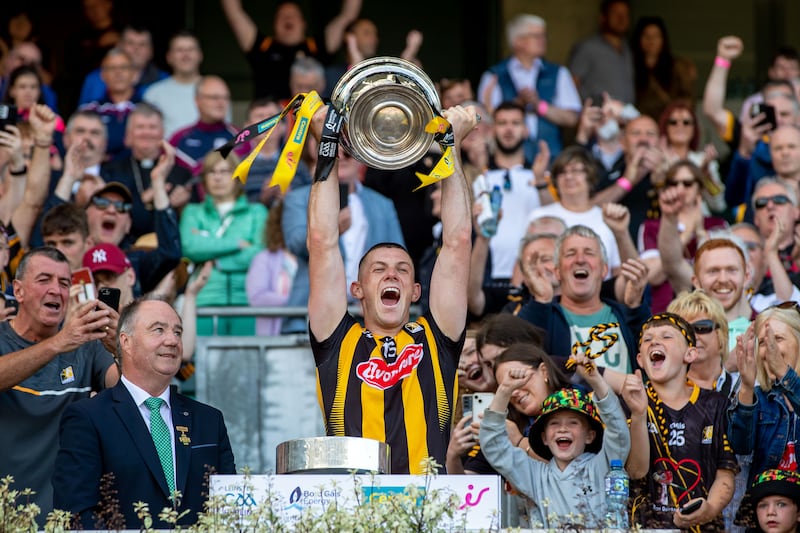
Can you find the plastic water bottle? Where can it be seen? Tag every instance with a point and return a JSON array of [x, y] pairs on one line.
[[490, 209], [617, 491]]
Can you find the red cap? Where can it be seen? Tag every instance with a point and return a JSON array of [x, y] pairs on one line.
[[106, 257]]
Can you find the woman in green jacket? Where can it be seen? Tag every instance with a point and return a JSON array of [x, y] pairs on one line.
[[229, 231]]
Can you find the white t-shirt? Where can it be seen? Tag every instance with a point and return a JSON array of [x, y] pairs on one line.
[[593, 218], [518, 202]]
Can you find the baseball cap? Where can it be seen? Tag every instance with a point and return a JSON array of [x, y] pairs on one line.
[[574, 400], [106, 256], [117, 187]]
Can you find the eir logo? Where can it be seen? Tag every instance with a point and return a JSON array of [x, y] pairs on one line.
[[379, 374]]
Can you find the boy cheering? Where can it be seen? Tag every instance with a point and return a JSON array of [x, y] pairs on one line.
[[692, 466]]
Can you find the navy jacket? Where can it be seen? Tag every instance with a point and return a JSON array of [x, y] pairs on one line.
[[107, 434], [551, 318]]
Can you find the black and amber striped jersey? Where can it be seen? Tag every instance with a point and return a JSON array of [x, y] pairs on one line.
[[687, 448], [399, 390]]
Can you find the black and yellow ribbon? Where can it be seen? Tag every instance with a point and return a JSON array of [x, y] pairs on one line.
[[599, 333], [306, 104], [443, 134]]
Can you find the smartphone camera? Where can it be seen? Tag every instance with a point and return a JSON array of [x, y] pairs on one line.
[[8, 115]]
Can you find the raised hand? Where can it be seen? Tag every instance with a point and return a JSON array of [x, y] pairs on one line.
[[537, 279], [634, 394], [635, 273], [730, 47], [617, 217], [542, 161], [43, 121], [744, 352], [774, 363]]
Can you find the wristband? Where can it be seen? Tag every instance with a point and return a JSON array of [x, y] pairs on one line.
[[21, 172], [626, 185], [42, 144], [722, 62], [520, 441], [542, 108]]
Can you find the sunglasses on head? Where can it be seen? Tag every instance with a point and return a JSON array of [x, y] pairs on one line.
[[789, 305], [704, 327], [685, 122], [103, 203], [778, 199]]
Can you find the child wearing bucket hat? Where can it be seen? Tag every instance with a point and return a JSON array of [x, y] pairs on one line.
[[570, 433], [776, 498]]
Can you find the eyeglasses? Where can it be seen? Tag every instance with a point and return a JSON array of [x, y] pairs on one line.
[[704, 327], [778, 199], [751, 246], [685, 122], [685, 183], [103, 203], [574, 171]]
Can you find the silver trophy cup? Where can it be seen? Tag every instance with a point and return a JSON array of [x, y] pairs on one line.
[[386, 103]]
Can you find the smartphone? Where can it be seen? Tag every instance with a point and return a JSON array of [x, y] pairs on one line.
[[597, 100], [344, 193], [769, 114], [109, 296], [83, 277], [691, 507], [11, 302], [8, 115], [480, 402]]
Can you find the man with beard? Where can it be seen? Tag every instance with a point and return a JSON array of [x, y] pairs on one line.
[[720, 267], [628, 182], [522, 191]]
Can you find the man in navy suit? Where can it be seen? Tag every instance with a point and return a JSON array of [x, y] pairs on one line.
[[111, 433]]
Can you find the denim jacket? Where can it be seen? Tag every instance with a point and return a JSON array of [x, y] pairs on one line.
[[765, 427]]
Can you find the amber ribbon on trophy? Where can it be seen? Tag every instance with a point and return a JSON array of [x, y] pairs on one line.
[[307, 104], [443, 134]]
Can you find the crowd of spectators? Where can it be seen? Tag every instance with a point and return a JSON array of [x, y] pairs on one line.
[[620, 235]]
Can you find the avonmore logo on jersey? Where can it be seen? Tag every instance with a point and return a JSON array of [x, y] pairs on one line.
[[379, 374]]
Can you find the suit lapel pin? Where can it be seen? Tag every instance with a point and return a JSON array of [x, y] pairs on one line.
[[184, 438]]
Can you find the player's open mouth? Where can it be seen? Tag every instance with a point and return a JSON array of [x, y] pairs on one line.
[[390, 296]]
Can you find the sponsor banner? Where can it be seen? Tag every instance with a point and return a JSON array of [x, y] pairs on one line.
[[478, 496]]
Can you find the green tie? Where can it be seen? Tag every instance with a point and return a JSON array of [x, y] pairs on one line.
[[160, 433]]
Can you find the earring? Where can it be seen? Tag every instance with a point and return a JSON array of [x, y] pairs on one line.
[[547, 381]]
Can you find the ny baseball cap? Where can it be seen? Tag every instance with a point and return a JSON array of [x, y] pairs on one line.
[[106, 256]]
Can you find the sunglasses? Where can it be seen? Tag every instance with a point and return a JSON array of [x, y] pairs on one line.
[[686, 183], [675, 122], [789, 305], [704, 327], [778, 199], [507, 180], [103, 203]]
